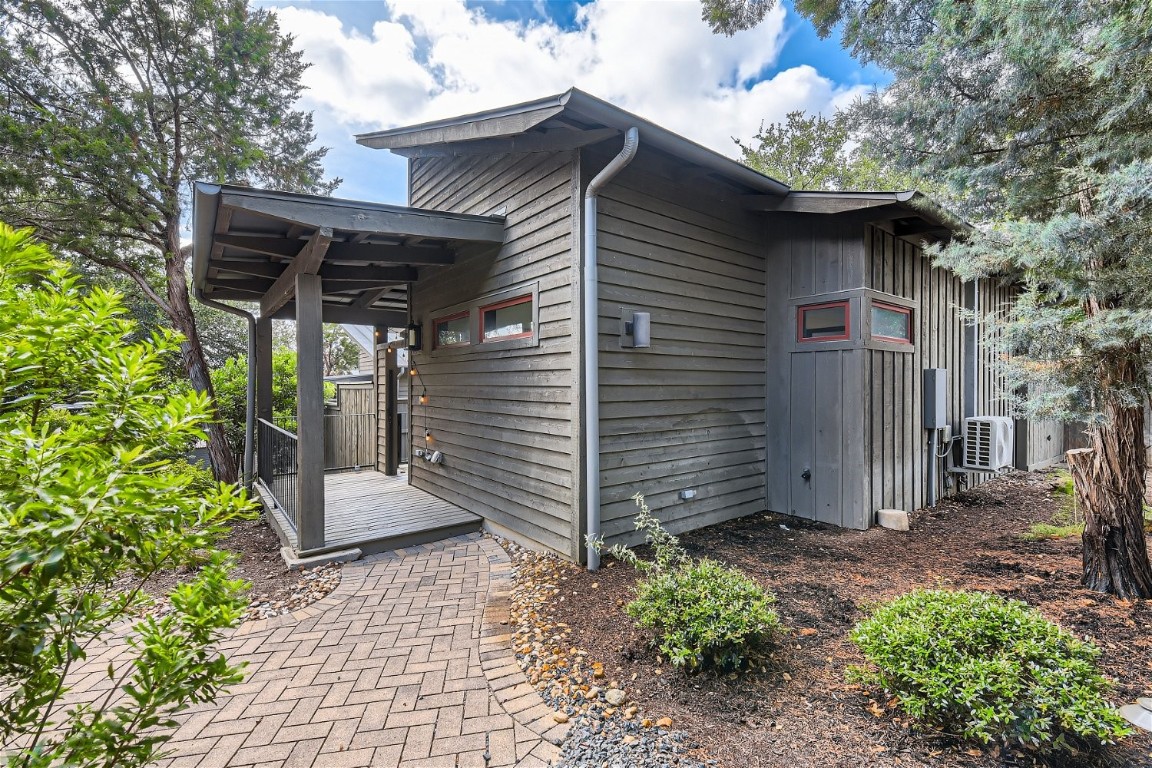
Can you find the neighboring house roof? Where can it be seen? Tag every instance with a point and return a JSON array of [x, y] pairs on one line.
[[363, 335], [565, 121]]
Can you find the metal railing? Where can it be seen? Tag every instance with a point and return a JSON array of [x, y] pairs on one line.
[[277, 467], [349, 440]]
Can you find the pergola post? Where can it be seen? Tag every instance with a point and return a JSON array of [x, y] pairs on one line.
[[309, 412], [391, 415], [264, 408]]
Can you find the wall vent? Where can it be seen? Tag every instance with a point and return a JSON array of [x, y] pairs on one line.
[[987, 443]]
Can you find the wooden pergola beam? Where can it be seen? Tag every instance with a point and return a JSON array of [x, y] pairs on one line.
[[307, 262], [369, 275]]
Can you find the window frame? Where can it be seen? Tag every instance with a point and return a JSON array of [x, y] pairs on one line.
[[524, 298], [801, 309], [906, 311], [438, 321]]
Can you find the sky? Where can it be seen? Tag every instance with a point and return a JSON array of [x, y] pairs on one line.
[[379, 64]]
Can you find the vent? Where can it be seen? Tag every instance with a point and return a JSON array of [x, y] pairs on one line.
[[987, 443]]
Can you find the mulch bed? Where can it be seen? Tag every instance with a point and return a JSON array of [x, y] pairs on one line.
[[799, 711]]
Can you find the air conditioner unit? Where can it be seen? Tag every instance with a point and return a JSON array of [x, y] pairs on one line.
[[987, 443]]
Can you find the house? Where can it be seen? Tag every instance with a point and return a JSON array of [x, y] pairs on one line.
[[597, 307]]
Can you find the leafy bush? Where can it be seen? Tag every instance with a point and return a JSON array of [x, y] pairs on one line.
[[989, 669], [89, 494], [707, 614]]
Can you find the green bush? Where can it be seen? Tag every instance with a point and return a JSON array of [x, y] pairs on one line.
[[707, 614], [988, 669]]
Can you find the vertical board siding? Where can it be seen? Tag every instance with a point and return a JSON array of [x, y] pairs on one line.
[[504, 419], [689, 411], [814, 420], [896, 443], [896, 452]]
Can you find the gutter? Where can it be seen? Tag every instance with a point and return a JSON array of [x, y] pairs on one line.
[[592, 343]]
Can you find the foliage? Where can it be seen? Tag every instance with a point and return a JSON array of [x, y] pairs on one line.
[[989, 669], [730, 16], [231, 384], [816, 153], [341, 354], [109, 109], [707, 614], [89, 496]]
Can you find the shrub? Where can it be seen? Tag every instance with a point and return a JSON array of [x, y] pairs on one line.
[[988, 669], [90, 495], [707, 614]]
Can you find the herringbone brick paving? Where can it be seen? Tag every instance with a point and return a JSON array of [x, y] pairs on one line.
[[406, 664]]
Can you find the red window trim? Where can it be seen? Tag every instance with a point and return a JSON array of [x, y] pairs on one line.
[[906, 311], [800, 310], [525, 299], [438, 321]]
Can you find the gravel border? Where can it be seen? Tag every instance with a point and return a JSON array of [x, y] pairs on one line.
[[608, 729]]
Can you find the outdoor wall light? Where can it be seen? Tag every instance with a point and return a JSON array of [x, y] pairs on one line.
[[415, 336], [635, 329]]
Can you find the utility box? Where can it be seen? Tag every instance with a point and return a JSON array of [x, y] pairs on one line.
[[935, 398]]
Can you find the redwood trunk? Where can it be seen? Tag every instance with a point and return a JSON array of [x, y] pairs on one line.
[[180, 312], [1109, 479]]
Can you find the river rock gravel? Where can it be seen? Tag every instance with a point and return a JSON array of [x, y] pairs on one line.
[[608, 728]]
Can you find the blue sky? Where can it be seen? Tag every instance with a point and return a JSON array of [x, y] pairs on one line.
[[380, 64]]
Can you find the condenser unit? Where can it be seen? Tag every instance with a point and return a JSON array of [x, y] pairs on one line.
[[987, 443]]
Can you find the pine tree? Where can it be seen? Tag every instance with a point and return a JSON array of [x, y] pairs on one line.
[[109, 108], [1037, 117]]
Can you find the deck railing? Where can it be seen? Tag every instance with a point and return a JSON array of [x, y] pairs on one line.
[[349, 440], [277, 467]]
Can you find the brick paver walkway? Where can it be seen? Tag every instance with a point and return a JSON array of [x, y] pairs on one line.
[[407, 663]]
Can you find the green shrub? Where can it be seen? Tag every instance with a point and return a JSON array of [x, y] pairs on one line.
[[988, 669], [707, 614]]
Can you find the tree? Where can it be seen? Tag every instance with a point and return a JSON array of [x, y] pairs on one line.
[[1038, 113], [817, 153], [341, 353], [109, 108], [231, 384], [92, 492]]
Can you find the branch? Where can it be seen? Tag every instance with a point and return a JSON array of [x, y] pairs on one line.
[[138, 278]]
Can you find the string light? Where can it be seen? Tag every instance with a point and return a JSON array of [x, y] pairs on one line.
[[427, 437], [424, 397]]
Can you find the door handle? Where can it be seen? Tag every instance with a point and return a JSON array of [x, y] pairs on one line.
[[806, 474]]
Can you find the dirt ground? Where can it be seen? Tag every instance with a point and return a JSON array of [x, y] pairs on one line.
[[800, 712]]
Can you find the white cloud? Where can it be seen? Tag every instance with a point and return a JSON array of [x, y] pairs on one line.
[[437, 58]]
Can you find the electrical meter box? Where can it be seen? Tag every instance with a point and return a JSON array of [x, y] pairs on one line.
[[935, 398]]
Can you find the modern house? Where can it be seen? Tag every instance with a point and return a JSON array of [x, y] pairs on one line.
[[597, 307]]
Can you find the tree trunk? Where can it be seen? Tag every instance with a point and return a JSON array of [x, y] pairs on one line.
[[180, 313], [1109, 479]]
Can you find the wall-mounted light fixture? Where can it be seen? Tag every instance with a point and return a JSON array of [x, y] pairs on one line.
[[415, 336], [635, 329]]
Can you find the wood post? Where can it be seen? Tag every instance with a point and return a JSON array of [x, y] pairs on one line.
[[264, 368], [309, 413], [391, 414]]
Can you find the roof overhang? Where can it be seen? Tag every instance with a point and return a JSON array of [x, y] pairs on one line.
[[911, 214], [566, 121], [248, 245]]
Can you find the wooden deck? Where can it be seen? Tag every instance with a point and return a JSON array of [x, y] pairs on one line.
[[372, 512]]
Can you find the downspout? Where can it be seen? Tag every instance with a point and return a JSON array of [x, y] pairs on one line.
[[250, 402], [592, 343]]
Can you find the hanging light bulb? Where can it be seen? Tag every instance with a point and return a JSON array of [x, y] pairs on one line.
[[427, 437], [424, 397]]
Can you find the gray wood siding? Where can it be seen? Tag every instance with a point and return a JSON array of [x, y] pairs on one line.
[[687, 413], [814, 417], [896, 453], [504, 419]]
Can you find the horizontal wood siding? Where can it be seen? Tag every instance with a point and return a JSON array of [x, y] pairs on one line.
[[687, 413], [504, 419], [896, 443]]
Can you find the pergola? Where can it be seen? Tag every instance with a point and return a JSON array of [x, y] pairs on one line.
[[319, 259]]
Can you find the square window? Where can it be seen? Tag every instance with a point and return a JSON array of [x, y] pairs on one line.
[[823, 322], [891, 323], [510, 319], [452, 331]]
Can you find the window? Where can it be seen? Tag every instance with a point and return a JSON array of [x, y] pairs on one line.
[[891, 323], [823, 322], [511, 319], [452, 331]]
